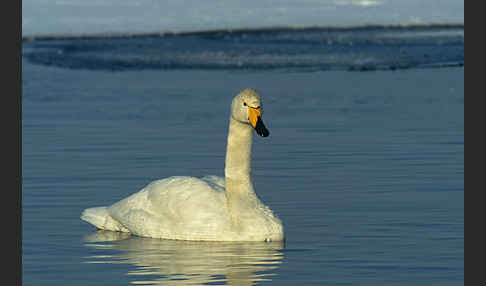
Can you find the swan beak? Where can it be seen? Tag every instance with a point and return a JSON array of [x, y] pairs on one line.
[[255, 117]]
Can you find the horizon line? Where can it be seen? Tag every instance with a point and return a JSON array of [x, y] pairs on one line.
[[123, 35]]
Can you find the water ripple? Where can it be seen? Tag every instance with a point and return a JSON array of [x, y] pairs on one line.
[[354, 49]]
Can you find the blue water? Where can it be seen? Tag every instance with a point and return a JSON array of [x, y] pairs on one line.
[[361, 48], [365, 169]]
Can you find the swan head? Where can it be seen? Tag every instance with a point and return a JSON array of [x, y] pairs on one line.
[[247, 108]]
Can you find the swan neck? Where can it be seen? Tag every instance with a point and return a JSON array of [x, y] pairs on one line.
[[240, 194], [238, 151]]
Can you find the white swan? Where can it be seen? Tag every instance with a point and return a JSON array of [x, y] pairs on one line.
[[211, 208]]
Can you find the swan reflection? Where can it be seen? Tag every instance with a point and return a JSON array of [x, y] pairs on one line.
[[175, 262]]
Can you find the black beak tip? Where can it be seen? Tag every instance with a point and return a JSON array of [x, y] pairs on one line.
[[261, 129], [264, 133]]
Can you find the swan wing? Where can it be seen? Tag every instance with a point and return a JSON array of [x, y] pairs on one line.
[[175, 208]]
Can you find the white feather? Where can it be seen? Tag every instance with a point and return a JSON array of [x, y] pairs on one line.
[[209, 208]]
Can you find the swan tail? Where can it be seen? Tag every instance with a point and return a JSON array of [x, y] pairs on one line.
[[101, 218]]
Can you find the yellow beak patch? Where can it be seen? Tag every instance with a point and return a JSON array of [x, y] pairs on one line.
[[253, 114]]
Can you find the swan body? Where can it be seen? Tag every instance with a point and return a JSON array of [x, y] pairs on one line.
[[210, 208]]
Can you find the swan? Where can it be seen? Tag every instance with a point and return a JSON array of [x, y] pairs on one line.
[[210, 208]]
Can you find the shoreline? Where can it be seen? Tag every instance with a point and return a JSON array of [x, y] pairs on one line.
[[344, 28]]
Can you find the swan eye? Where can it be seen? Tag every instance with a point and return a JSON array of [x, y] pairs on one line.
[[244, 103]]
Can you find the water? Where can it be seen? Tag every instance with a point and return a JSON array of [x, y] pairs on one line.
[[362, 48], [365, 169]]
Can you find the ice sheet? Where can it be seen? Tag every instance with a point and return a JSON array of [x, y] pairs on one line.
[[68, 17]]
